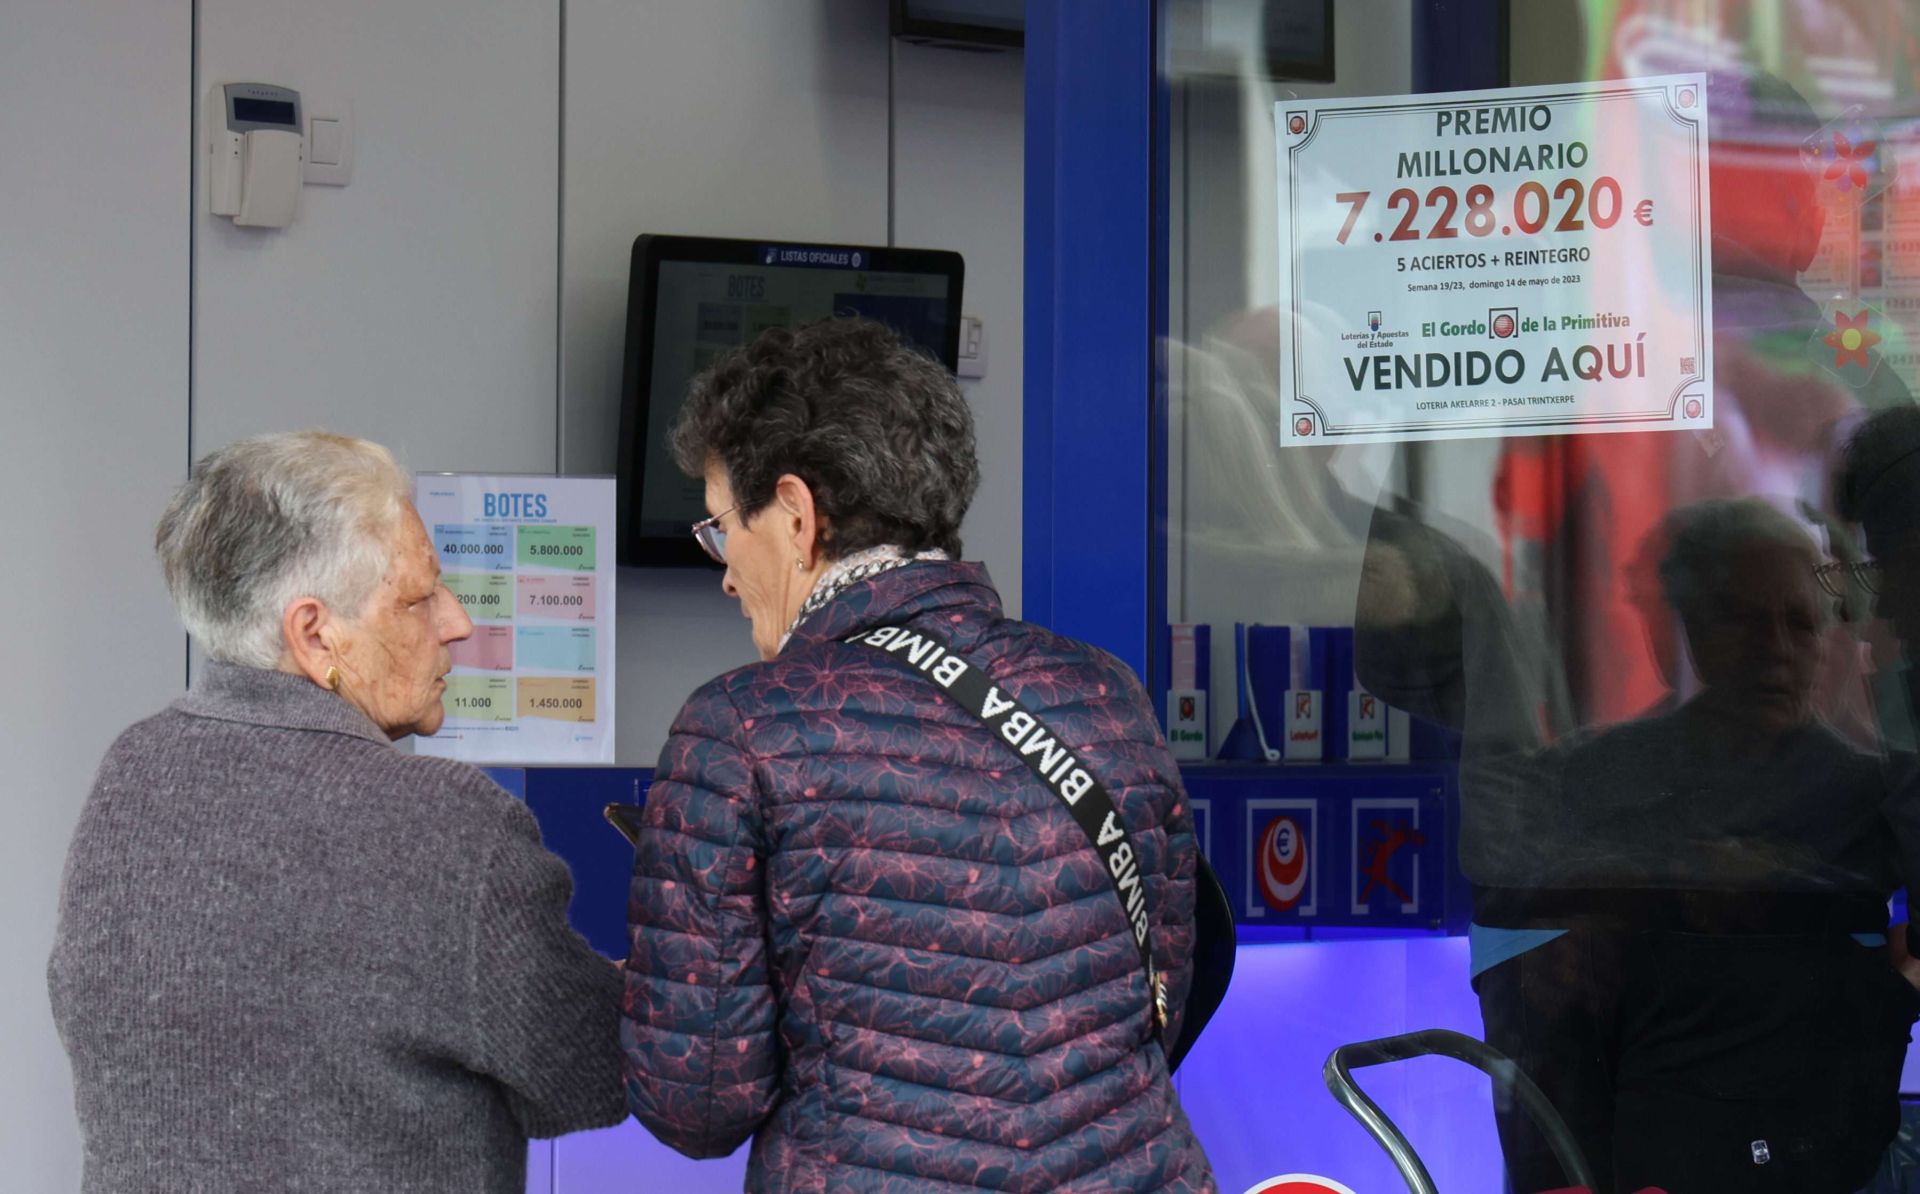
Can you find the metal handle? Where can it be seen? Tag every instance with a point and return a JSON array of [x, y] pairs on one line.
[[1507, 1078]]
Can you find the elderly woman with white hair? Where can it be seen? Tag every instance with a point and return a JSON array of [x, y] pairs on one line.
[[291, 957]]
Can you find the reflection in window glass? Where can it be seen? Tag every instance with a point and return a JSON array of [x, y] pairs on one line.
[[1661, 676]]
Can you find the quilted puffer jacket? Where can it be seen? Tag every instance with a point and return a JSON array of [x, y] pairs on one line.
[[864, 934]]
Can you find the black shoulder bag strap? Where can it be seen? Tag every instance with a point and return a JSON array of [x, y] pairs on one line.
[[1059, 769]]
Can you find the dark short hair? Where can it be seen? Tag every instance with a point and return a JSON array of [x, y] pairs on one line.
[[1879, 482], [878, 430]]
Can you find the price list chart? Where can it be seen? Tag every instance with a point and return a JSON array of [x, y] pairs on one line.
[[530, 559]]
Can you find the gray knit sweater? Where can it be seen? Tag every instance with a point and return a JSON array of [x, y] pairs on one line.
[[292, 958]]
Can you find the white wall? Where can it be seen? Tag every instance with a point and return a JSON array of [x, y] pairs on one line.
[[93, 435], [416, 306], [960, 183]]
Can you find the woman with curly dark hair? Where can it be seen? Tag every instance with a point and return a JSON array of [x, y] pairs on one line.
[[867, 930]]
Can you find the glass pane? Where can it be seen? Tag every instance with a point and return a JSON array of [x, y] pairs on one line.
[[1543, 555]]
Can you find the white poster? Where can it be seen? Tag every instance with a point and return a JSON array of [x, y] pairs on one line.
[[1520, 261], [532, 560]]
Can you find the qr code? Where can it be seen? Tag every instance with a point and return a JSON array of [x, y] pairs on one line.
[[1686, 364]]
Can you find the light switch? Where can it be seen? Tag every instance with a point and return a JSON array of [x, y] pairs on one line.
[[329, 140], [324, 148], [973, 347]]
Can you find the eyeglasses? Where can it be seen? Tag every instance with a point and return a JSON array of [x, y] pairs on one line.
[[713, 540], [1833, 577]]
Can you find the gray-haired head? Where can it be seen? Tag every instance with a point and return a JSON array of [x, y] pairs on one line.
[[1709, 544], [878, 430], [267, 520]]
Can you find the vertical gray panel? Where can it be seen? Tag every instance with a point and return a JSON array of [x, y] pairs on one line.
[[959, 178], [94, 259], [724, 118]]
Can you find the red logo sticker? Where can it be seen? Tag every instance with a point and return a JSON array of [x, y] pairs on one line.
[[1283, 864], [1299, 1183]]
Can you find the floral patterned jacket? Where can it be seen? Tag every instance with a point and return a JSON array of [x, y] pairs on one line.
[[864, 933]]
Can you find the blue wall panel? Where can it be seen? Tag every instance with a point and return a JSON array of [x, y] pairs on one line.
[[1090, 268], [568, 802]]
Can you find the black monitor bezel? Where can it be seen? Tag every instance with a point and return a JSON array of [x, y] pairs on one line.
[[677, 549], [955, 34]]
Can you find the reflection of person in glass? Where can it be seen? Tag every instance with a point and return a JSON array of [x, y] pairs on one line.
[[1440, 636], [1879, 489], [1574, 508], [1729, 860], [1665, 913], [1740, 578]]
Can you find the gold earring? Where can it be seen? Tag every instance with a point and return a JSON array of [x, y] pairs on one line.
[[799, 565], [333, 678]]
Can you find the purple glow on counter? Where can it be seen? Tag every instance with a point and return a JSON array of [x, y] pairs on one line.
[[1251, 1087]]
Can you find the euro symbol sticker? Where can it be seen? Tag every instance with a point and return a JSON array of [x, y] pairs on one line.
[[1643, 212]]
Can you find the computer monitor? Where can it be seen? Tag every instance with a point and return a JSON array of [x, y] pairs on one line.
[[690, 299]]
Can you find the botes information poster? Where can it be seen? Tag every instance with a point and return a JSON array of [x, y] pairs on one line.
[[531, 559]]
